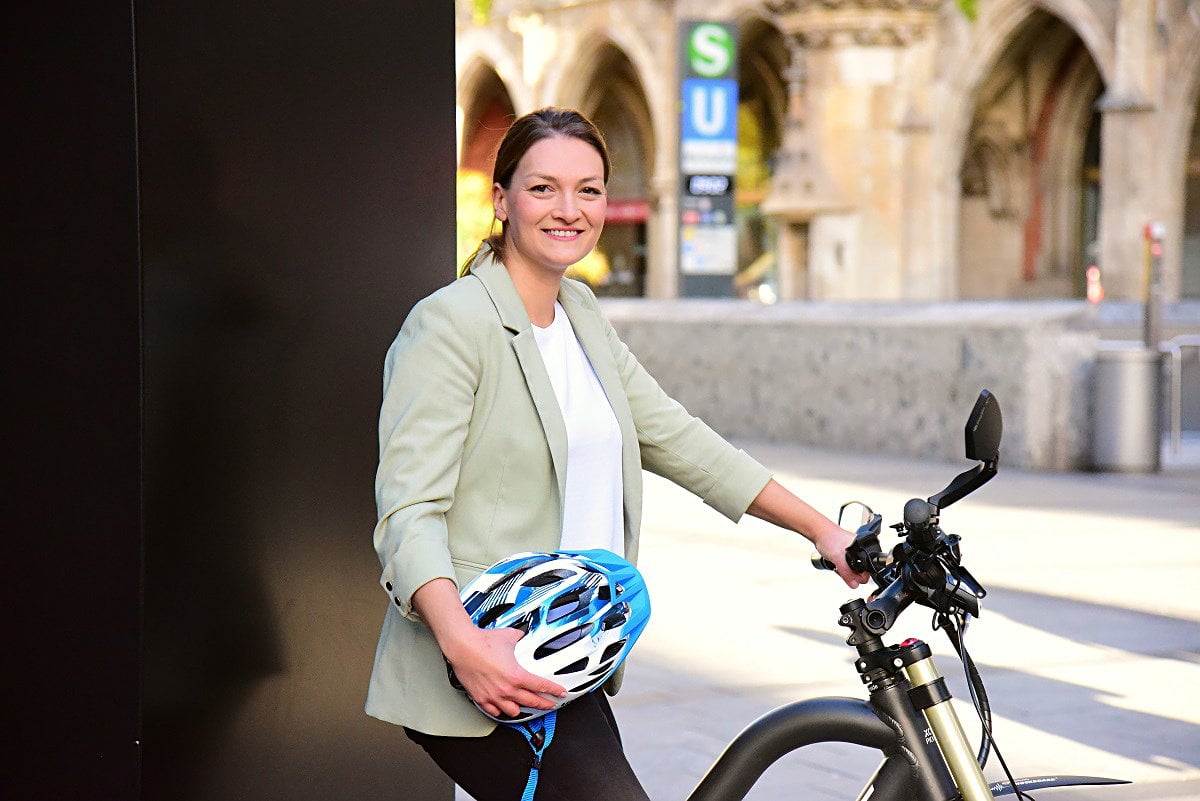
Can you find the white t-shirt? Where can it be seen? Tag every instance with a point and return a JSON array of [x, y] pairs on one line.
[[593, 510]]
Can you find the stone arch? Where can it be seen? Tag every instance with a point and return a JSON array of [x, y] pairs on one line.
[[487, 110], [763, 57], [476, 49], [573, 79], [961, 75], [1019, 220], [991, 34], [573, 71], [609, 90]]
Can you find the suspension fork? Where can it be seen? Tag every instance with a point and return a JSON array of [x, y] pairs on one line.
[[930, 695]]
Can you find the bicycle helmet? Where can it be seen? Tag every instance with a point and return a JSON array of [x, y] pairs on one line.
[[581, 612]]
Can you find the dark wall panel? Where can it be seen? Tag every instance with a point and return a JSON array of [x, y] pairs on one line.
[[297, 183], [192, 379], [71, 519]]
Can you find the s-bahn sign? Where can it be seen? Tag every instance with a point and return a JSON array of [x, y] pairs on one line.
[[707, 152]]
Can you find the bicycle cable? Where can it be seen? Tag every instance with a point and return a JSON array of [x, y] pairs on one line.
[[975, 686], [957, 636]]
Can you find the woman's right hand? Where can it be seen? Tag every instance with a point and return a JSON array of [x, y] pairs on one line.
[[485, 665], [483, 659]]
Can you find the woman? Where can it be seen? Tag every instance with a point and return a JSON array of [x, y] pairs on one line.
[[513, 420]]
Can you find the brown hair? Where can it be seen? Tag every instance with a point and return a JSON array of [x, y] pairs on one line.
[[527, 131]]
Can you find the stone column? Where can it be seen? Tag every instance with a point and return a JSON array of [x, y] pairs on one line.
[[800, 188], [791, 252], [662, 237], [855, 52], [1132, 189]]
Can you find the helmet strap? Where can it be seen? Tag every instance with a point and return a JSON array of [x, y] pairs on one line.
[[538, 733]]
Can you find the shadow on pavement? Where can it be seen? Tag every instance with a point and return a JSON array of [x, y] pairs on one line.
[[1129, 630]]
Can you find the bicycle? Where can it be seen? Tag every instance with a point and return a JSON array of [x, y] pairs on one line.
[[907, 716]]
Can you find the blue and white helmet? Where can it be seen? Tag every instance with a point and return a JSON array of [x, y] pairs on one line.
[[581, 612]]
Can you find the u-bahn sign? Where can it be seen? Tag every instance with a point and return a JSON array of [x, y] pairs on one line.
[[707, 155]]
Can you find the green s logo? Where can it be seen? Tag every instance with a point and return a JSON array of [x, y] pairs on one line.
[[710, 50]]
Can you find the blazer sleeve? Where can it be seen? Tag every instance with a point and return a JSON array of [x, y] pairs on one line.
[[430, 377], [682, 448]]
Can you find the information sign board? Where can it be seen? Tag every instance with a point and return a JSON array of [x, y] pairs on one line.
[[707, 155]]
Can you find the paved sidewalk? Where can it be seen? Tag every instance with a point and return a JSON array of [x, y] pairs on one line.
[[1089, 641]]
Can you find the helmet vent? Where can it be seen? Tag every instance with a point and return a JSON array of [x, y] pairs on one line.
[[612, 650], [558, 643], [615, 618], [489, 617], [583, 688], [547, 578], [574, 667], [563, 605]]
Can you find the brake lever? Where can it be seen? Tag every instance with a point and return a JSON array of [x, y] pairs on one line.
[[941, 582], [865, 555]]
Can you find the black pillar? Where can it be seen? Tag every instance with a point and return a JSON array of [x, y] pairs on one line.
[[223, 212], [71, 511]]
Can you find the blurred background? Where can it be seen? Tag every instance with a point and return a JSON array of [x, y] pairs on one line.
[[993, 191], [907, 150]]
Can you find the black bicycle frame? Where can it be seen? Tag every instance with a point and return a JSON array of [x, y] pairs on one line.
[[844, 720], [890, 723]]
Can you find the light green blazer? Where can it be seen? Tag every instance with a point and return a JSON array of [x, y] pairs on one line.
[[472, 466]]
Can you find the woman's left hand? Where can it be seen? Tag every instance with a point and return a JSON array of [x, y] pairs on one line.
[[777, 505], [831, 542]]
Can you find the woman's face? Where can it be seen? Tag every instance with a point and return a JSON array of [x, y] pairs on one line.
[[554, 205]]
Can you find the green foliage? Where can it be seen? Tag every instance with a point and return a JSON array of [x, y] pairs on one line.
[[481, 11], [968, 9], [475, 214], [752, 174]]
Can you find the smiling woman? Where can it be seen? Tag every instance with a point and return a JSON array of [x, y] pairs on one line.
[[515, 420], [540, 131], [552, 211]]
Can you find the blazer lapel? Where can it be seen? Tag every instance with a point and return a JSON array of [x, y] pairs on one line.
[[542, 392], [494, 277]]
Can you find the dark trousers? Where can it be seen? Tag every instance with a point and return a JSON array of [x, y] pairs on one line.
[[584, 760]]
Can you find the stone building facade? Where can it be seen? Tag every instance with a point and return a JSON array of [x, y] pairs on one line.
[[904, 151]]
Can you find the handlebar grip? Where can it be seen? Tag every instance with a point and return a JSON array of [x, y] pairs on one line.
[[820, 562]]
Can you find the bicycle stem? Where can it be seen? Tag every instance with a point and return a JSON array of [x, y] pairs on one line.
[[882, 669]]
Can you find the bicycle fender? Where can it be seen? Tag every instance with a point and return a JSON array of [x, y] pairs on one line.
[[1042, 782], [782, 730]]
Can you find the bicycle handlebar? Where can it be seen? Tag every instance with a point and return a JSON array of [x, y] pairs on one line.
[[925, 566], [821, 563]]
